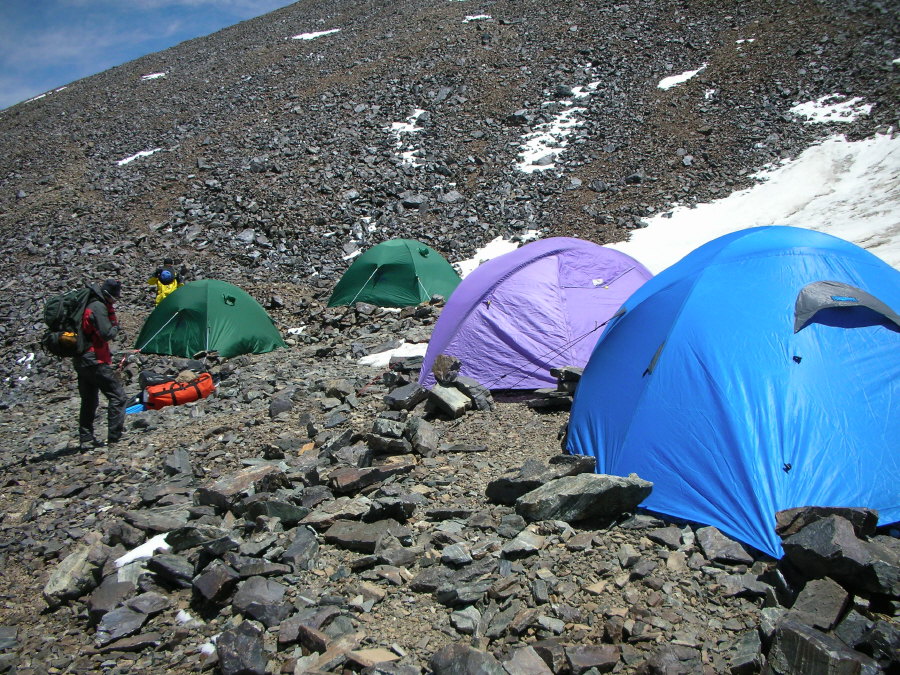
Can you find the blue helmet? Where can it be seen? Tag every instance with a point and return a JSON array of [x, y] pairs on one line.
[[166, 276]]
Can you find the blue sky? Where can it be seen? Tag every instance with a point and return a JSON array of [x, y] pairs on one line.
[[46, 44]]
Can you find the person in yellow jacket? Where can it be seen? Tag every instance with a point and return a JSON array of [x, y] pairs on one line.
[[166, 279]]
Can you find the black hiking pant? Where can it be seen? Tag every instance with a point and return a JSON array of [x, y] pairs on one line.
[[91, 381]]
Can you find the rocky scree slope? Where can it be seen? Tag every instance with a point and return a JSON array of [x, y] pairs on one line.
[[316, 519], [276, 157]]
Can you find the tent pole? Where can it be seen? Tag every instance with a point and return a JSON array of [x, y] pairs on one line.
[[364, 285], [548, 354], [160, 330], [427, 294]]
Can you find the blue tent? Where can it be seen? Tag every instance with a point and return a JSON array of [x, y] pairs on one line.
[[759, 373]]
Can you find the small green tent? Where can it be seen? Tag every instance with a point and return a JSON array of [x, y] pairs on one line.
[[395, 273], [208, 315]]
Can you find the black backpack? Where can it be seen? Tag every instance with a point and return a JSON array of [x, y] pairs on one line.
[[63, 314]]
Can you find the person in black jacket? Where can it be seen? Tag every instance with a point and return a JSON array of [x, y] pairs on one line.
[[99, 325]]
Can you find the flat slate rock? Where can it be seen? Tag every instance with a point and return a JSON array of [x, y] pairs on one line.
[[225, 492], [721, 548], [533, 474], [583, 496], [118, 623], [821, 603], [71, 578], [791, 521], [458, 659], [362, 537], [830, 547], [797, 648], [240, 651]]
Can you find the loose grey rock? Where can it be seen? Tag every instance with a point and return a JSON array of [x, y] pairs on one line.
[[821, 604], [830, 547], [601, 658], [174, 569], [216, 582], [791, 521], [797, 648], [583, 496], [533, 474], [119, 623], [449, 400], [227, 491], [526, 661], [445, 369], [480, 395], [362, 537], [74, 576], [720, 548], [107, 596], [8, 637], [261, 598], [457, 659], [406, 397], [466, 620], [240, 651], [301, 553]]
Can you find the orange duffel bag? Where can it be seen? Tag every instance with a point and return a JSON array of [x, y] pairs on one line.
[[176, 393]]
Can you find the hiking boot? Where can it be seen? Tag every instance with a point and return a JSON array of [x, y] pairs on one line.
[[91, 444]]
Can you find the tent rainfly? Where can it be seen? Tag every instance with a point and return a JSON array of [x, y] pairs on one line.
[[540, 306], [759, 373], [208, 315], [395, 273]]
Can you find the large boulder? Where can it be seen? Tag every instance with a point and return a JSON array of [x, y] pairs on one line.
[[584, 496], [798, 648], [532, 474], [228, 491], [77, 574], [240, 651], [830, 548], [791, 521]]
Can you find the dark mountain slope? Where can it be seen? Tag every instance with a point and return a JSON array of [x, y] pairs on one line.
[[289, 141]]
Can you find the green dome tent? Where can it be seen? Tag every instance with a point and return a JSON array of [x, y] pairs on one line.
[[208, 315], [395, 273]]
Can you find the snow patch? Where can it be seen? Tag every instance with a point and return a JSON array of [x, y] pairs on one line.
[[405, 150], [313, 36], [846, 189], [153, 76], [546, 143], [45, 94], [382, 359], [142, 153], [208, 648], [672, 80], [477, 17], [832, 108], [145, 550], [494, 248]]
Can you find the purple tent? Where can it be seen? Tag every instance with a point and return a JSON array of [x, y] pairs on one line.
[[539, 307]]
